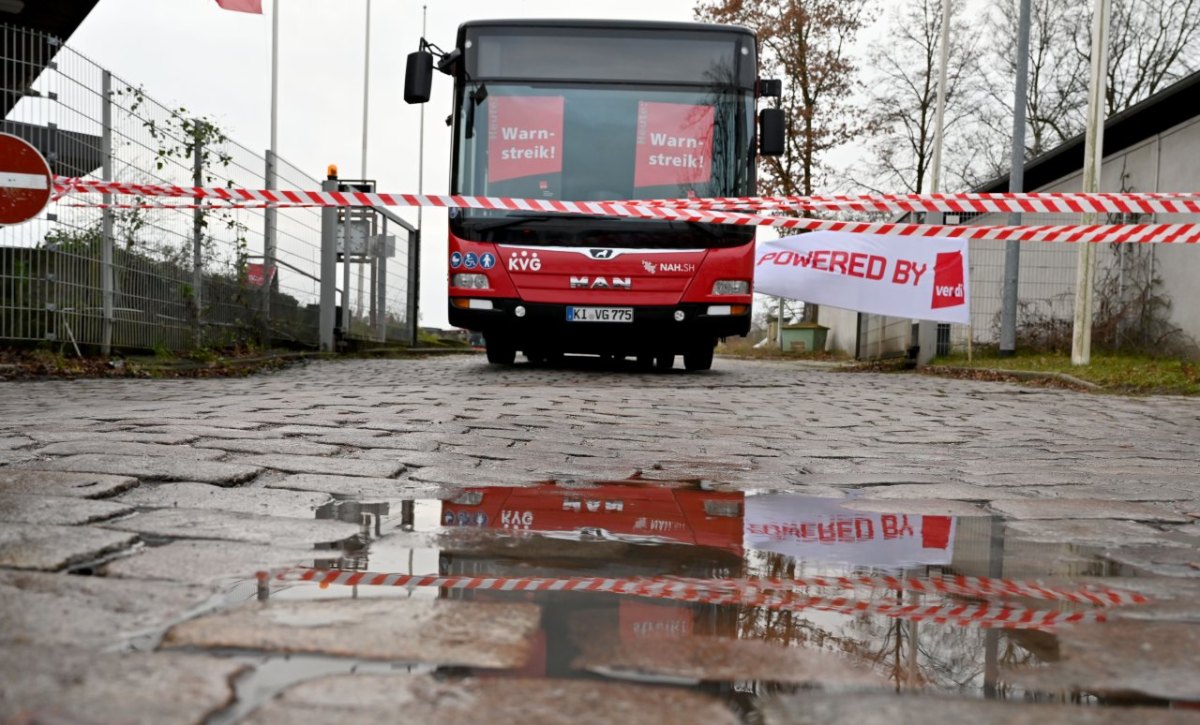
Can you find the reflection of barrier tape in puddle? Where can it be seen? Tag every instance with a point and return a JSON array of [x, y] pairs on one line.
[[722, 211], [781, 594]]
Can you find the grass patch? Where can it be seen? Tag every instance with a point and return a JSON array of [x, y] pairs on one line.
[[1113, 372]]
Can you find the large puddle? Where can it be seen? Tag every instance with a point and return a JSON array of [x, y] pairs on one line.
[[649, 582]]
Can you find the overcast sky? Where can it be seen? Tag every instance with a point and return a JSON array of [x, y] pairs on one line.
[[218, 63]]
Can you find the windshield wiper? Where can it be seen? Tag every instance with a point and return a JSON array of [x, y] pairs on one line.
[[511, 222]]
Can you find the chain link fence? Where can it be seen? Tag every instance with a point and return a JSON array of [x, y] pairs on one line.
[[128, 276]]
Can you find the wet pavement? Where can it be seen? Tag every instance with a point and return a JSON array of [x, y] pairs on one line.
[[440, 540]]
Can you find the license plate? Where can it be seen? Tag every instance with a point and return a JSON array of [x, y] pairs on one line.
[[599, 314]]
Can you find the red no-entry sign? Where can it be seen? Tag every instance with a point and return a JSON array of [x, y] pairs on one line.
[[25, 183]]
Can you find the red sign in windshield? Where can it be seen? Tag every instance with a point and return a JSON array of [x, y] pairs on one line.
[[524, 136], [674, 144]]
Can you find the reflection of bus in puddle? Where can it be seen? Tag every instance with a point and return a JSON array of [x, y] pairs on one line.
[[622, 530], [611, 530]]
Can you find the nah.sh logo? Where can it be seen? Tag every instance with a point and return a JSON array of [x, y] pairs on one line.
[[949, 289]]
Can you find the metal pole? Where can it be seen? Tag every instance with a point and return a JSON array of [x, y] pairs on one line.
[[346, 227], [374, 252], [106, 228], [328, 268], [197, 232], [366, 86], [1093, 157], [270, 221], [382, 292], [274, 79], [935, 164], [414, 286], [779, 322], [1016, 183], [991, 639]]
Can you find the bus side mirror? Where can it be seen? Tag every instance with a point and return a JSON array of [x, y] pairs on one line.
[[418, 77], [771, 136]]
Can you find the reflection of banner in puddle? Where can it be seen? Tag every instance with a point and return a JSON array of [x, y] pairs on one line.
[[784, 594], [819, 529]]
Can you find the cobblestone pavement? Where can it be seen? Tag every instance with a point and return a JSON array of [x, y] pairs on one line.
[[170, 494]]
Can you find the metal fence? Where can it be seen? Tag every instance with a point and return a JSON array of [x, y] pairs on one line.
[[130, 277]]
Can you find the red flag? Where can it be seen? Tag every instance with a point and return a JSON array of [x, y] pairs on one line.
[[242, 6]]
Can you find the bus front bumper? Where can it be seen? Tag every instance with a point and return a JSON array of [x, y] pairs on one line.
[[659, 328]]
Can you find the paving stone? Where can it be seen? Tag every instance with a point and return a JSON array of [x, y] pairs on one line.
[[60, 510], [125, 448], [317, 430], [88, 611], [369, 699], [363, 487], [1083, 509], [949, 491], [870, 709], [1093, 532], [410, 459], [178, 523], [1122, 658], [134, 436], [331, 466], [155, 468], [280, 446], [61, 685], [379, 439], [51, 548], [922, 507], [8, 457], [9, 443], [410, 630], [206, 561], [59, 483], [716, 659], [243, 499]]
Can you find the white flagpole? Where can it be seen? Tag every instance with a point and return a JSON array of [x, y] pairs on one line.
[[274, 79], [366, 86]]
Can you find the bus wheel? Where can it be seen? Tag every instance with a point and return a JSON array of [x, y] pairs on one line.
[[664, 361], [500, 352], [699, 357], [645, 361]]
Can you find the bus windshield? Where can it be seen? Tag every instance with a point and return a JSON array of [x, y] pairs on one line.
[[683, 129]]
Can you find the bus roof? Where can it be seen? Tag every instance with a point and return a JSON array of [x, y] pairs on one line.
[[613, 24]]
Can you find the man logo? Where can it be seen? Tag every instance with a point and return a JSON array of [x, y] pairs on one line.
[[601, 253], [601, 283]]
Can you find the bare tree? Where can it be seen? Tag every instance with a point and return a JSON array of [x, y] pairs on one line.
[[905, 99], [1152, 43], [807, 43], [1058, 74]]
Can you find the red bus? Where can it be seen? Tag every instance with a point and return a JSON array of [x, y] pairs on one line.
[[600, 110]]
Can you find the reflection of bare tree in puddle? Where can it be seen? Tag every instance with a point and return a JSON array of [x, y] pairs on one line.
[[946, 657]]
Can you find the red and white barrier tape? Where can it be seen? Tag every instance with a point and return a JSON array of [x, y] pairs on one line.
[[780, 594], [706, 210]]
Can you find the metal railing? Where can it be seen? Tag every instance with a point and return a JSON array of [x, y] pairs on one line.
[[125, 276]]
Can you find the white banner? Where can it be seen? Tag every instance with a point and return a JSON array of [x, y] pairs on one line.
[[819, 529], [924, 279]]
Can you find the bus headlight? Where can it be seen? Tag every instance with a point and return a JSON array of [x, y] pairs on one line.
[[731, 287], [469, 281]]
